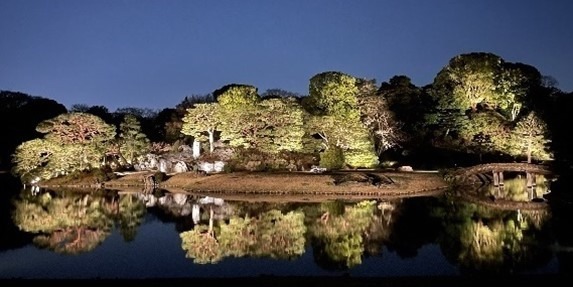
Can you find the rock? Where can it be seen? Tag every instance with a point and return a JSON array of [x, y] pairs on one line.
[[208, 167], [405, 168], [165, 165], [317, 169], [180, 198], [218, 166], [211, 200], [179, 167], [185, 149]]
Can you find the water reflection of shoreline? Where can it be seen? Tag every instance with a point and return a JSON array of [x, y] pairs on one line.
[[473, 236]]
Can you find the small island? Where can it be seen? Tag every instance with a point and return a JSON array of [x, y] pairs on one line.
[[348, 138]]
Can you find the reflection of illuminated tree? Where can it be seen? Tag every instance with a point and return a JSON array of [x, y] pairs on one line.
[[69, 224], [270, 234], [71, 240], [480, 239], [380, 228], [201, 245], [339, 238], [131, 212], [516, 189]]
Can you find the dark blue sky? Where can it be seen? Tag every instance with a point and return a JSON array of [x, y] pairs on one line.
[[152, 54]]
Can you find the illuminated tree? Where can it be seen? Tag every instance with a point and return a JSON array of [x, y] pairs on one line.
[[282, 125], [170, 121], [474, 86], [381, 122], [87, 131], [332, 93], [201, 119], [468, 80], [511, 92], [530, 138], [485, 132], [332, 158], [32, 155], [239, 109], [77, 128], [333, 102], [271, 125], [72, 142], [407, 104], [519, 89], [132, 141]]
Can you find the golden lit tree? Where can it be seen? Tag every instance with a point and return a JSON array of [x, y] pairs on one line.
[[333, 102], [132, 142], [200, 119], [530, 138], [72, 142], [31, 155]]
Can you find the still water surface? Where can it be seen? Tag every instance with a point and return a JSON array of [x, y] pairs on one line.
[[57, 234]]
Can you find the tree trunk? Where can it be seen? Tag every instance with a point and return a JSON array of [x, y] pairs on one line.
[[211, 141], [529, 153], [210, 220], [196, 148]]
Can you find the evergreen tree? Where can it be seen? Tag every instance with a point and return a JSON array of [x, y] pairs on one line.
[[132, 141]]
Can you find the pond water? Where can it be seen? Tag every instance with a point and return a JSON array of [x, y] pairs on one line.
[[59, 234]]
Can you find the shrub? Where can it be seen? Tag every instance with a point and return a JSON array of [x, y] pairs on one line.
[[332, 158]]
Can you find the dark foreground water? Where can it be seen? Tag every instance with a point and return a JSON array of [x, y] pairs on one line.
[[62, 235]]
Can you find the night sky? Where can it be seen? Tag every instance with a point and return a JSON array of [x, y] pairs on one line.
[[151, 54]]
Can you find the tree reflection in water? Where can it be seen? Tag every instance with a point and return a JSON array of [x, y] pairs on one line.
[[482, 239], [131, 213], [338, 235], [516, 189], [268, 234], [71, 223], [475, 237]]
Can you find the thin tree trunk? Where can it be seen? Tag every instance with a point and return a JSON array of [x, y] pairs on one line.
[[211, 141], [210, 220]]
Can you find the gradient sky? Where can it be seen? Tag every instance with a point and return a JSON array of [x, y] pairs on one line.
[[151, 54]]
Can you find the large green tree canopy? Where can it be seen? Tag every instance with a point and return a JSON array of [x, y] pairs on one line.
[[333, 102], [72, 142], [200, 119], [477, 99]]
